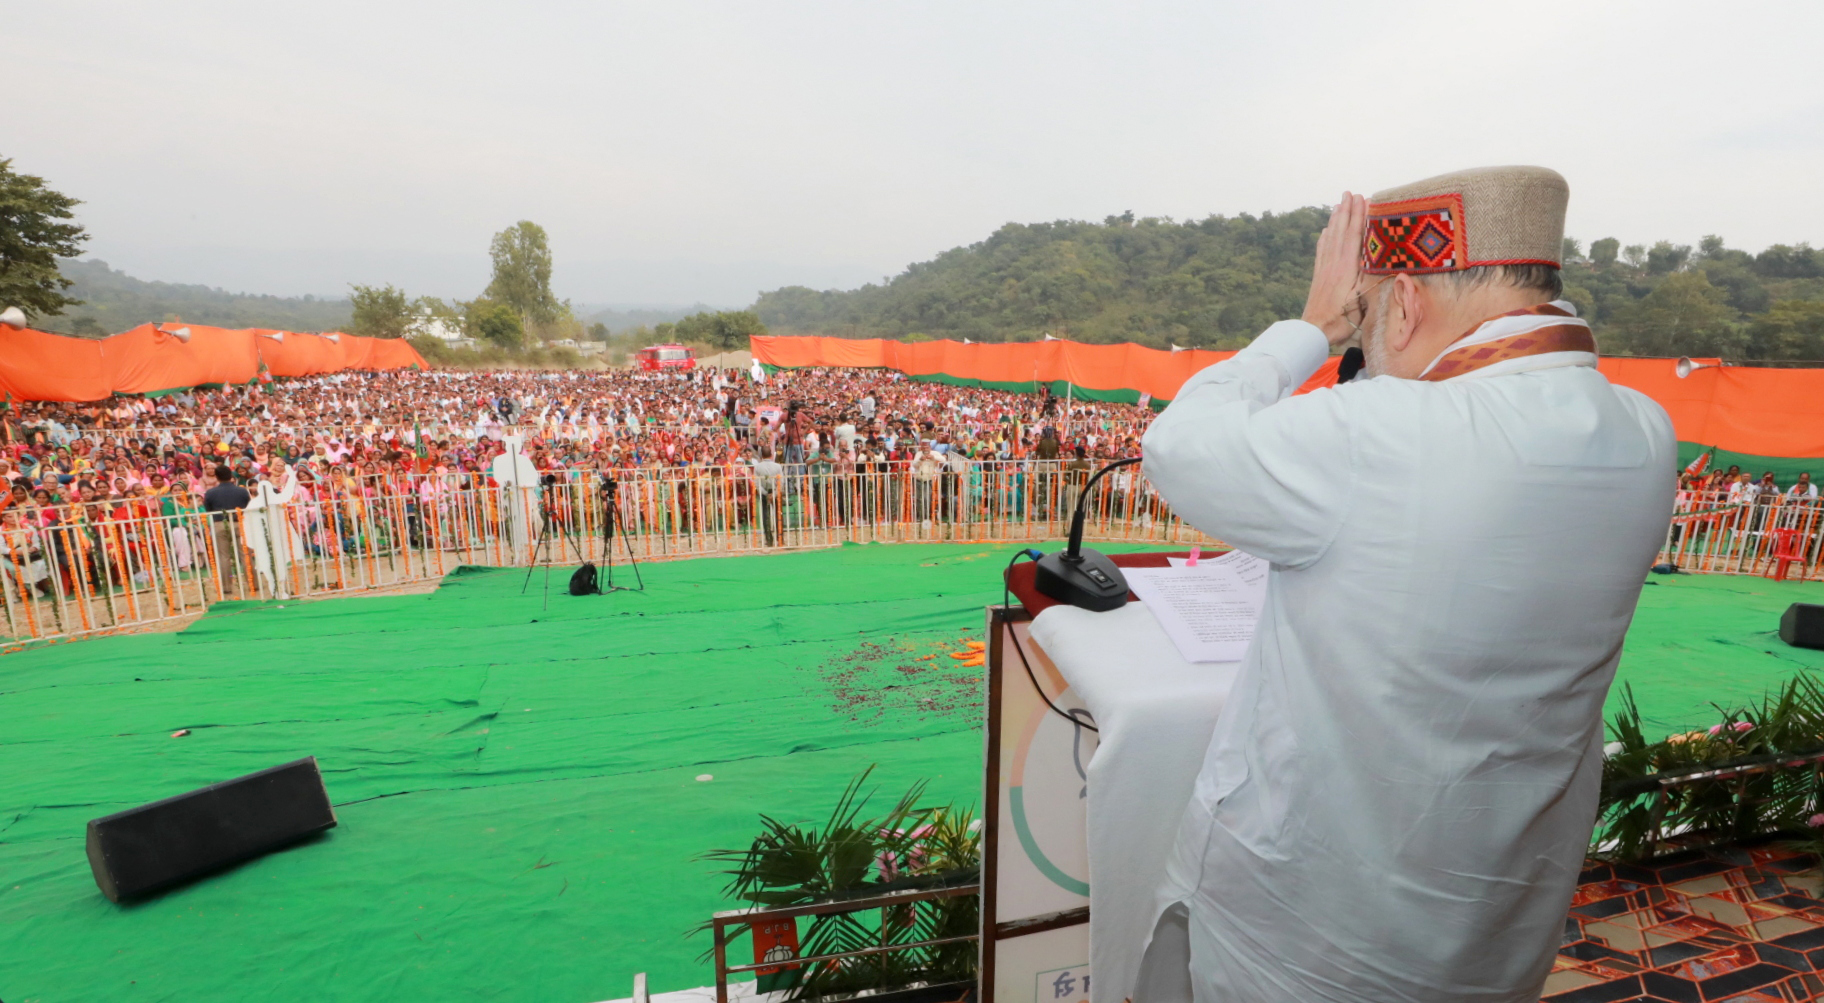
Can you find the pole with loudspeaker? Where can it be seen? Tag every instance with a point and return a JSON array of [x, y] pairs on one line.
[[1685, 367]]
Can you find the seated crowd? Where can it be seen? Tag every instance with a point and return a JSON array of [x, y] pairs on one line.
[[1734, 487], [403, 432]]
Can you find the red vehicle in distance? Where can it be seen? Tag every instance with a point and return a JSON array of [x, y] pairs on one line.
[[660, 357]]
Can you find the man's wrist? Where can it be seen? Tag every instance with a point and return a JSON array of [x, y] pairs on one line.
[[1335, 329], [1299, 346]]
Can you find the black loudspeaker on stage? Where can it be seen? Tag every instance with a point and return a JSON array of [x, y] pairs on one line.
[[1802, 625], [155, 846]]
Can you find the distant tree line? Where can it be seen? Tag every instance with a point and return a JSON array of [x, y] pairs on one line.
[[1214, 282], [1671, 299], [110, 301], [1218, 281]]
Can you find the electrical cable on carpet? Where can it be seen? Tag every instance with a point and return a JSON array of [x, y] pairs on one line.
[[1014, 635]]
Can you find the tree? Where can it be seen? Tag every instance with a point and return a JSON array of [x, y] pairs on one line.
[[430, 313], [1666, 257], [725, 329], [734, 327], [495, 322], [1683, 315], [522, 273], [1793, 329], [380, 312], [1783, 262], [1571, 249], [31, 241], [1604, 252], [598, 331], [1635, 255]]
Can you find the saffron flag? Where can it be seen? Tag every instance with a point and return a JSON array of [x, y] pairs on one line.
[[1702, 462], [776, 942]]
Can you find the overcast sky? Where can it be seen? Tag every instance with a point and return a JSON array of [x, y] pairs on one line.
[[681, 152]]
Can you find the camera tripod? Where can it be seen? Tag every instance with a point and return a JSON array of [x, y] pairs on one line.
[[547, 516], [611, 520]]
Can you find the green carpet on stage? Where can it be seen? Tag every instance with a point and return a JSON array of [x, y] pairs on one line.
[[1700, 640], [517, 787]]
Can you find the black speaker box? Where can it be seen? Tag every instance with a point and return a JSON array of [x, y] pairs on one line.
[[1802, 625], [152, 847]]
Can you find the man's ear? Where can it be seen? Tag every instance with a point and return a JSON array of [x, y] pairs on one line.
[[1411, 305]]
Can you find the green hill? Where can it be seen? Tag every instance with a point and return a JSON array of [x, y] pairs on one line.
[[1212, 282], [115, 301], [1216, 282]]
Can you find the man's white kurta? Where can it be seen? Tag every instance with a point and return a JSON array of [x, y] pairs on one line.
[[1402, 785]]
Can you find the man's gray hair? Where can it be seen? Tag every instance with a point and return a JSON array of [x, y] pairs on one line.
[[1538, 278]]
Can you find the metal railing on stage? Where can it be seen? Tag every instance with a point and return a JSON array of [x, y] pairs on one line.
[[737, 920], [1778, 535], [76, 570]]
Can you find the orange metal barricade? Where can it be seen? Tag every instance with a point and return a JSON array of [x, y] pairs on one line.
[[108, 574]]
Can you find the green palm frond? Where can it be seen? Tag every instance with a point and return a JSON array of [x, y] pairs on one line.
[[1784, 722], [853, 855]]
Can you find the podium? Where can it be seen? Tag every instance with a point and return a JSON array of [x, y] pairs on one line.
[[1059, 793]]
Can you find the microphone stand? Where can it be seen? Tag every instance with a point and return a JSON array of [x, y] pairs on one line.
[[1086, 579]]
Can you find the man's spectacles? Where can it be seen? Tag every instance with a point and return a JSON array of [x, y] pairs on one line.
[[1356, 313]]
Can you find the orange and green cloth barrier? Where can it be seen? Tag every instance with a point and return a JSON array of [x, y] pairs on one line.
[[157, 358], [1761, 419]]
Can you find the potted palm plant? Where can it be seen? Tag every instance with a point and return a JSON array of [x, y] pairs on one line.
[[853, 855]]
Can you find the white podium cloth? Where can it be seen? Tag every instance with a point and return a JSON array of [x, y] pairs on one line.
[[1154, 713]]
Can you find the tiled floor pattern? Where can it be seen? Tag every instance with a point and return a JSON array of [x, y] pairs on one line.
[[1731, 925]]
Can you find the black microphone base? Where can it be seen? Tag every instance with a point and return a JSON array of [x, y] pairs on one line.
[[1091, 582]]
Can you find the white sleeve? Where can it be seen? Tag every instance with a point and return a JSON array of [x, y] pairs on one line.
[[1241, 459], [290, 489]]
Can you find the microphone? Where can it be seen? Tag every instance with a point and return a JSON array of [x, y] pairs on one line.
[[1086, 579], [1351, 363]]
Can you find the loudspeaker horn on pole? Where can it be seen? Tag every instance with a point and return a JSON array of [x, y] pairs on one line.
[[1685, 367]]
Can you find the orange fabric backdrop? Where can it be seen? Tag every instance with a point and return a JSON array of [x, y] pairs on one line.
[[37, 365], [1097, 367], [146, 359], [1743, 409], [290, 353], [1763, 412]]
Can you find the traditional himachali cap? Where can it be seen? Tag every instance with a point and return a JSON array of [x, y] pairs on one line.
[[1478, 218], [1467, 219]]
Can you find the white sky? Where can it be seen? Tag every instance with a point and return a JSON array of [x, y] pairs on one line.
[[684, 151]]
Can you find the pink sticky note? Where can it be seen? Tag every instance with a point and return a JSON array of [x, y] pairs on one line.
[[1196, 552]]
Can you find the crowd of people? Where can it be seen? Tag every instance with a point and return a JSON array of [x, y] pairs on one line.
[[388, 433], [79, 474], [1734, 486], [359, 461], [387, 430]]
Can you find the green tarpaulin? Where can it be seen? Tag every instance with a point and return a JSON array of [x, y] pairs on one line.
[[517, 786]]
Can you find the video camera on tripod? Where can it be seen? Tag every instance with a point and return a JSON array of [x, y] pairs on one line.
[[584, 581]]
